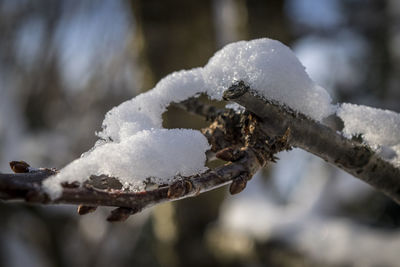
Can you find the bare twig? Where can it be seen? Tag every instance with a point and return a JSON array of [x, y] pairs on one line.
[[314, 137]]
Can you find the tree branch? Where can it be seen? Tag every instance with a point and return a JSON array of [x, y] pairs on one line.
[[246, 141], [232, 136], [28, 187], [320, 140]]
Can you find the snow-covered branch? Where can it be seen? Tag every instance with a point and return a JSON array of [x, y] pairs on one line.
[[138, 163], [350, 155], [230, 136], [247, 141], [107, 191]]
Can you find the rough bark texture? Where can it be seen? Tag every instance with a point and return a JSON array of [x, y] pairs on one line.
[[324, 142]]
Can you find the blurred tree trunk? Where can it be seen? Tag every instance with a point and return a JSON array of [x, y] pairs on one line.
[[268, 19], [178, 35], [373, 23]]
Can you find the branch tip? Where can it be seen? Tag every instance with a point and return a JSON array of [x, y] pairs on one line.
[[238, 185], [122, 214], [19, 166], [83, 210]]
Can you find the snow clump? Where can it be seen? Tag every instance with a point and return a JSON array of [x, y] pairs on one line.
[[134, 146], [380, 129]]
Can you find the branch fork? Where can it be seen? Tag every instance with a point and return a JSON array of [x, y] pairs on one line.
[[247, 141]]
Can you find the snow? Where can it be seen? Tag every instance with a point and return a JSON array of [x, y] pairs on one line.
[[379, 128], [272, 70], [155, 154], [145, 110], [134, 146]]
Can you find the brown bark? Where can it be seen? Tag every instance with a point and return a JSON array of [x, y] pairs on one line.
[[353, 157]]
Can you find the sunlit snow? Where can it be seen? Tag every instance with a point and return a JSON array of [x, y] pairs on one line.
[[379, 128], [134, 145]]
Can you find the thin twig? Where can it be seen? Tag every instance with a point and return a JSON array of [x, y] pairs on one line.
[[28, 187]]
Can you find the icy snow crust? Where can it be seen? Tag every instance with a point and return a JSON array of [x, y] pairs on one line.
[[136, 146], [379, 128]]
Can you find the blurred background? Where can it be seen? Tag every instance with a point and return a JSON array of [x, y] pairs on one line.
[[65, 63]]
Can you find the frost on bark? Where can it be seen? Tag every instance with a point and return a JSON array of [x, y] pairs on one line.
[[247, 141]]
